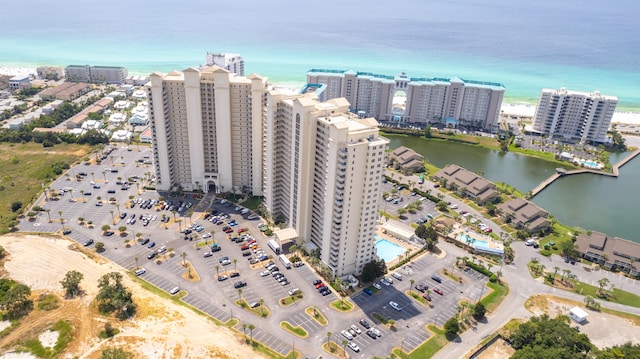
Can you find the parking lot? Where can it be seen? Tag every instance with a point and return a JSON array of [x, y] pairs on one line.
[[218, 298], [401, 199]]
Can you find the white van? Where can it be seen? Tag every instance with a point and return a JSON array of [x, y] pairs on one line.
[[397, 276], [529, 242]]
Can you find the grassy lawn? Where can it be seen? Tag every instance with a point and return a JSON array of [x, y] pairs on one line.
[[24, 168], [428, 348], [299, 331], [252, 203], [560, 233], [492, 300], [617, 295], [342, 306], [290, 299], [316, 315]]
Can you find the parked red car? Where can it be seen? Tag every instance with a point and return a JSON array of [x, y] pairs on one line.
[[438, 291]]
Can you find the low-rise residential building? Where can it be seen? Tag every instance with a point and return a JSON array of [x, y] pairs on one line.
[[146, 136], [467, 183], [611, 252], [20, 82], [525, 215], [65, 91], [121, 135], [406, 159], [117, 118]]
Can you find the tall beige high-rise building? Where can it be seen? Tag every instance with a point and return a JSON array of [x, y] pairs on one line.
[[323, 170], [574, 115], [417, 100], [207, 130]]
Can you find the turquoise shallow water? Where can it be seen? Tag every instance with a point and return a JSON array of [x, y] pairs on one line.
[[526, 46]]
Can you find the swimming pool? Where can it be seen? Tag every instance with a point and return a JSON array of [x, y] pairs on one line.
[[388, 250], [590, 164], [478, 244]]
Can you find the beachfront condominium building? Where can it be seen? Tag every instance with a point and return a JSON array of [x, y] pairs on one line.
[[453, 101], [574, 115], [207, 130], [233, 63], [323, 169], [96, 74]]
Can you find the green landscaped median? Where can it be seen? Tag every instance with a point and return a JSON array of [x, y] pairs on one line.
[[288, 300], [428, 348], [342, 305], [316, 315], [416, 295], [261, 310], [299, 331]]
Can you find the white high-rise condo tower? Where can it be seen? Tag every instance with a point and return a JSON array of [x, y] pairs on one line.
[[323, 174], [573, 115]]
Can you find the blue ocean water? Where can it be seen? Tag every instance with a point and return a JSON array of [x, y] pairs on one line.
[[582, 45]]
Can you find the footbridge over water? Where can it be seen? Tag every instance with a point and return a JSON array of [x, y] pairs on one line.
[[560, 172]]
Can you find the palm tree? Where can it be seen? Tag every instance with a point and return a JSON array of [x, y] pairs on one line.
[[251, 328], [261, 301], [118, 208], [82, 194], [411, 287], [62, 223], [184, 261], [239, 294], [92, 177], [112, 218], [329, 334], [234, 264], [136, 259], [48, 214], [344, 344], [244, 330], [217, 270]]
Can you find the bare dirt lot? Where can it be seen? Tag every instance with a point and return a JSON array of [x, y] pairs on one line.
[[160, 329]]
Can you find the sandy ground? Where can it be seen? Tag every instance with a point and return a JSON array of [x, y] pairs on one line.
[[161, 329], [604, 330]]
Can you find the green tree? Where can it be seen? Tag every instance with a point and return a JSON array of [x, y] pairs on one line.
[[113, 296], [3, 252], [373, 270], [479, 311], [15, 206], [428, 233], [99, 247], [115, 353], [15, 298], [451, 327], [427, 131], [71, 283], [549, 338], [442, 206]]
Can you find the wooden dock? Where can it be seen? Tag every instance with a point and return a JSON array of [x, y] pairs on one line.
[[615, 172]]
